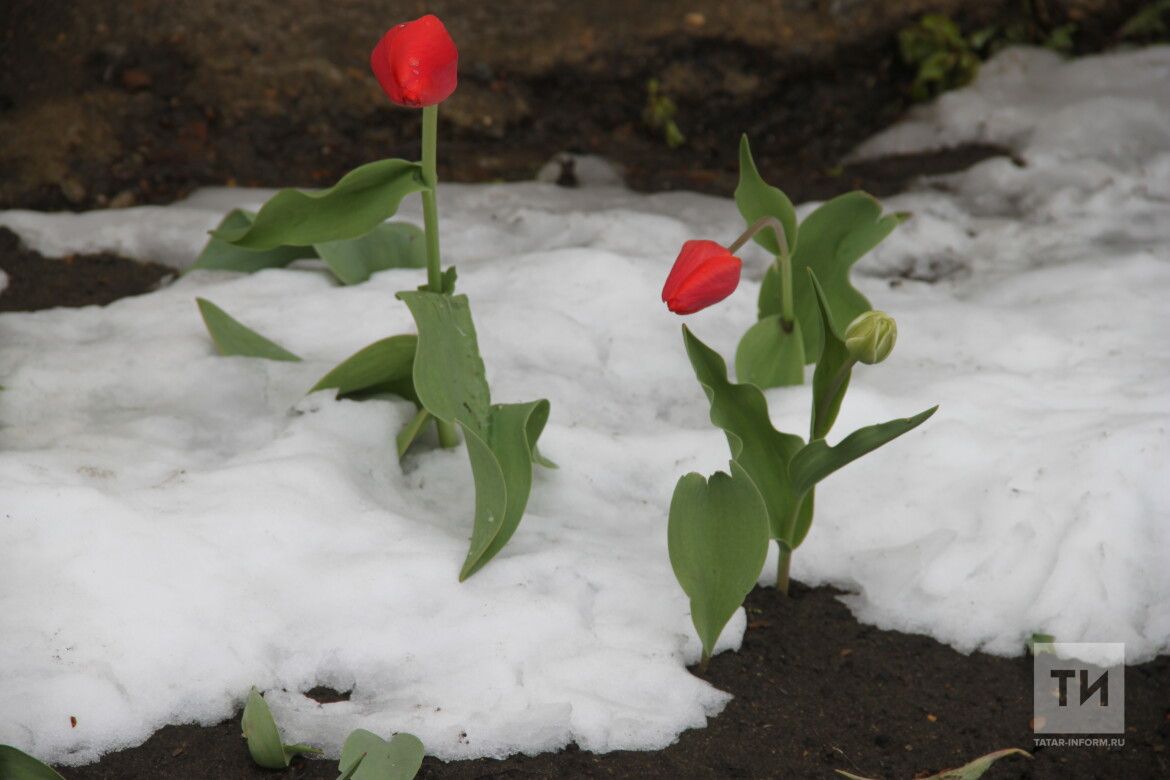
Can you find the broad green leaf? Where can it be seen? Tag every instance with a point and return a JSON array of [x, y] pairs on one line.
[[220, 255], [357, 746], [366, 756], [363, 199], [756, 198], [769, 303], [832, 239], [769, 356], [491, 499], [833, 371], [231, 337], [450, 383], [804, 518], [448, 371], [836, 235], [264, 738], [742, 412], [390, 245], [18, 765], [385, 366], [512, 441], [817, 460], [718, 539], [971, 771], [411, 431]]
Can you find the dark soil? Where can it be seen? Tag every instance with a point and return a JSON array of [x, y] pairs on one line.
[[147, 100], [814, 691], [36, 282]]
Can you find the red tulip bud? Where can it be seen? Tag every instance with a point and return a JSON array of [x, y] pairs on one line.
[[416, 63], [704, 273]]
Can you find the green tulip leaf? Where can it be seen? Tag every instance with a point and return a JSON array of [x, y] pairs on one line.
[[817, 460], [832, 239], [718, 539], [389, 245], [448, 371], [804, 518], [491, 500], [971, 771], [411, 431], [756, 198], [770, 356], [537, 458], [386, 366], [363, 199], [18, 765], [366, 756], [763, 452], [511, 444], [264, 738], [221, 256], [833, 371], [232, 337], [501, 440]]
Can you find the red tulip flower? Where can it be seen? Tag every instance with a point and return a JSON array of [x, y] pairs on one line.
[[704, 274], [416, 63]]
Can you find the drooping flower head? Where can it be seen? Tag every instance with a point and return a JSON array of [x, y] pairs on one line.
[[703, 274], [416, 63]]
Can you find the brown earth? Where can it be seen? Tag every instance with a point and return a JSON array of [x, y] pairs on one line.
[[814, 691], [39, 282], [117, 102]]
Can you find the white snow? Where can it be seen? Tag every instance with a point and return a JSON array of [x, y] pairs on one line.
[[179, 526]]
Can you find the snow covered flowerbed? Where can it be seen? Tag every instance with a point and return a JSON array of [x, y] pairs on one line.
[[179, 526]]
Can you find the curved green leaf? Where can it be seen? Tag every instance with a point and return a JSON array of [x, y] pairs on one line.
[[769, 356], [756, 198], [718, 539], [364, 198], [817, 460], [448, 371], [264, 738], [742, 412], [411, 431], [833, 371], [366, 756], [501, 440], [491, 499], [389, 245], [512, 441], [832, 239], [804, 518], [231, 337], [385, 366], [18, 765], [221, 256]]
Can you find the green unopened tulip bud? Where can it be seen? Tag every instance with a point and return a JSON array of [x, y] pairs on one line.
[[870, 338]]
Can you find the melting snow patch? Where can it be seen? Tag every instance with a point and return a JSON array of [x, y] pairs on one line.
[[179, 526]]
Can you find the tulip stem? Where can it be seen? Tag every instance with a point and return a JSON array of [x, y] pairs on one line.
[[448, 436], [430, 132], [783, 264], [782, 565]]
